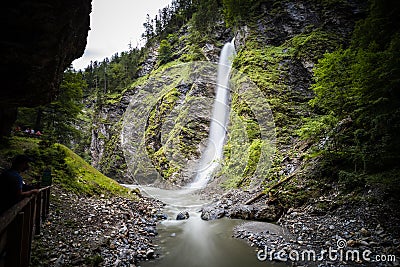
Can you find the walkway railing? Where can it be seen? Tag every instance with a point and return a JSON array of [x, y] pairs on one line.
[[17, 226]]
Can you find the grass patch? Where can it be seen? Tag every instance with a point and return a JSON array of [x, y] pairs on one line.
[[84, 178], [69, 170]]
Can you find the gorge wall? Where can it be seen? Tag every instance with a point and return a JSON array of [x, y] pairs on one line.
[[277, 50], [40, 39]]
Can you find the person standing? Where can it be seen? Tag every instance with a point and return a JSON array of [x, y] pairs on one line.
[[12, 186]]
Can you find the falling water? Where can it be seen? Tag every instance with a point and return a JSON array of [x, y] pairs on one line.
[[213, 153]]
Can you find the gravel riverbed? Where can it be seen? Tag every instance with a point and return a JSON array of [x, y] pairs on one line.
[[350, 235], [96, 231], [100, 231]]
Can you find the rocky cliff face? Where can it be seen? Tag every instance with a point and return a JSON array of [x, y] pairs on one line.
[[167, 97], [277, 51], [106, 151], [39, 40]]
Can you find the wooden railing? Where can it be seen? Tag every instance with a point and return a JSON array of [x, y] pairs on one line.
[[17, 226]]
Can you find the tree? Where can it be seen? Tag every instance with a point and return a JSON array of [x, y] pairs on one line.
[[362, 83], [206, 15], [148, 28], [164, 52], [237, 11], [63, 112]]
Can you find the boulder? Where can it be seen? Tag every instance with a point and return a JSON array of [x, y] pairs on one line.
[[267, 213], [183, 215], [212, 213], [241, 211]]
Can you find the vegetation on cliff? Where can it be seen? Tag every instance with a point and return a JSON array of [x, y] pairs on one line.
[[331, 83], [357, 103], [68, 169]]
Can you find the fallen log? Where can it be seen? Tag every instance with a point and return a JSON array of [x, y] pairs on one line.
[[259, 195]]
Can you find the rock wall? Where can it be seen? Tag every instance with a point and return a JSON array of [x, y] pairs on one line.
[[39, 40], [277, 50]]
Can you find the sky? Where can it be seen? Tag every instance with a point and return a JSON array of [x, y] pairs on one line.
[[113, 25]]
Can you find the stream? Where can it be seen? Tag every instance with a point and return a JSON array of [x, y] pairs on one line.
[[195, 242]]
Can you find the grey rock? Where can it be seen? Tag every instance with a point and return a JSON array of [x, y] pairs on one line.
[[268, 213], [212, 213], [241, 211], [183, 215]]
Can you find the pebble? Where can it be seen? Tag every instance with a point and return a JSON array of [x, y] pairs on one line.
[[117, 230], [309, 231]]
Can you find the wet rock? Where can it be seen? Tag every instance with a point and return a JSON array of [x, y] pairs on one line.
[[150, 253], [162, 216], [183, 215], [268, 213], [212, 213], [241, 211]]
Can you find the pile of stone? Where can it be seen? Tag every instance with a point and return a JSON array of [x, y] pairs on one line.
[[97, 231], [350, 235]]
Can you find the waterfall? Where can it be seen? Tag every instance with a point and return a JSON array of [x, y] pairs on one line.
[[212, 155]]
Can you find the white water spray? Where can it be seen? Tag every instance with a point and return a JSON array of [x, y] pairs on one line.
[[212, 155]]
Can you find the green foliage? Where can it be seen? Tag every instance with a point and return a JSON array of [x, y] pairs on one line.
[[334, 87], [57, 120], [206, 16], [238, 11], [112, 75], [68, 169], [362, 83], [164, 52], [316, 127], [66, 108]]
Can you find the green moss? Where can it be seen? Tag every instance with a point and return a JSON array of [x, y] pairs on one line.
[[111, 160], [93, 260], [113, 98], [270, 67], [314, 45], [165, 167], [83, 178], [265, 66], [69, 170], [254, 157], [153, 133]]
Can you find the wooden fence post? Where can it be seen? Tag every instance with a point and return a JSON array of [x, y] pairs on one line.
[[17, 226], [14, 241], [38, 212]]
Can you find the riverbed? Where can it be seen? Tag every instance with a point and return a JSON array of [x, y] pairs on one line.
[[194, 242]]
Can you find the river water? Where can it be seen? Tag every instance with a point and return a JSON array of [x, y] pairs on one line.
[[195, 242]]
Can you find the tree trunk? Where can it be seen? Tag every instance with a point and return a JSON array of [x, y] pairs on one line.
[[38, 121], [8, 115]]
